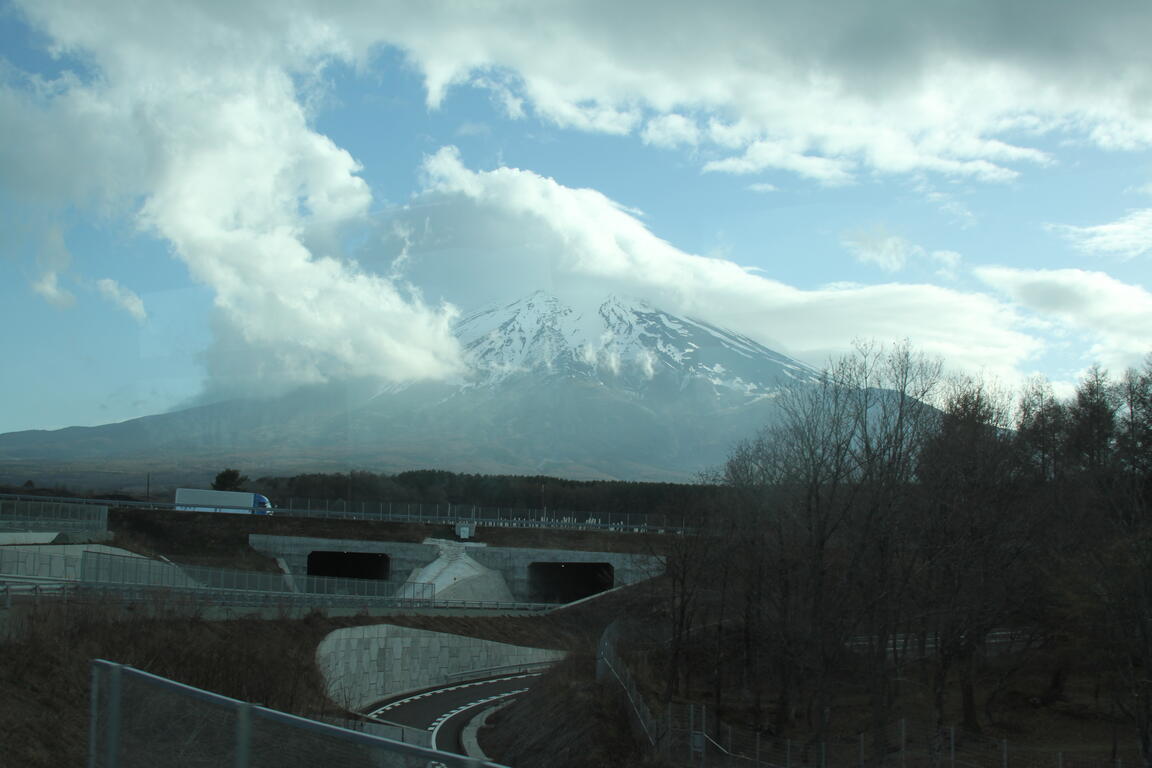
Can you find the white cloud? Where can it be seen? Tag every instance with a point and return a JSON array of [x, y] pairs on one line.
[[892, 253], [880, 247], [827, 89], [125, 298], [193, 110], [763, 155], [671, 131], [947, 263], [580, 245], [763, 187], [49, 288], [53, 260], [1115, 315], [1129, 237]]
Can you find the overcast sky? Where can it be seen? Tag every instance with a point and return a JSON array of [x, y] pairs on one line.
[[235, 197]]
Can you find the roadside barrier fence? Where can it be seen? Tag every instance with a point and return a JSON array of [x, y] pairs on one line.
[[446, 514], [27, 574], [17, 514], [140, 720]]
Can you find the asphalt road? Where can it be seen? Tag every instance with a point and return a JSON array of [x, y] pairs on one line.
[[446, 711]]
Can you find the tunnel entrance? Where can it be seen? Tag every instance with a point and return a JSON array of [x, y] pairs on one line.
[[565, 582], [350, 565]]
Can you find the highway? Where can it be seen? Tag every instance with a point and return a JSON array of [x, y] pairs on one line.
[[444, 712]]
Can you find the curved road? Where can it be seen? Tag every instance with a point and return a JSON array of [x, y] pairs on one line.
[[445, 711]]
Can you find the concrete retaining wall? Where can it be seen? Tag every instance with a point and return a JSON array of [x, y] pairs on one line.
[[363, 665], [512, 562], [294, 550]]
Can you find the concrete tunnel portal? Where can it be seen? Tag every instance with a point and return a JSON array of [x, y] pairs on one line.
[[350, 565], [565, 582]]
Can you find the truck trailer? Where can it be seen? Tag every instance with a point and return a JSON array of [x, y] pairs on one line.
[[227, 502]]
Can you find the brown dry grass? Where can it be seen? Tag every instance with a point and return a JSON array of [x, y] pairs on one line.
[[45, 658]]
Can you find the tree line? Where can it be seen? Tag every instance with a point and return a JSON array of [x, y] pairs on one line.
[[893, 525], [432, 486]]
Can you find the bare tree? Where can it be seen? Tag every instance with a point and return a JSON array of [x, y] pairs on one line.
[[975, 537]]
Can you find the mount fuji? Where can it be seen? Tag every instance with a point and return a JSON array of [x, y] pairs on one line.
[[622, 390]]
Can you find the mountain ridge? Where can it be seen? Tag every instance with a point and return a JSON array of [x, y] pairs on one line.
[[624, 390]]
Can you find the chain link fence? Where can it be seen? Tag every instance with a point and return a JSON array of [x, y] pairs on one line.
[[139, 720], [57, 516], [26, 573], [95, 568]]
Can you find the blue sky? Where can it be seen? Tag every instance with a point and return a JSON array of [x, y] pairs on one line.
[[199, 200]]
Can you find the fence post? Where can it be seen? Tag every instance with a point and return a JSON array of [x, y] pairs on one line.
[[757, 747], [94, 717], [243, 736], [691, 728], [823, 755], [787, 753], [861, 749], [952, 744], [1059, 760], [903, 740], [112, 729], [1004, 762]]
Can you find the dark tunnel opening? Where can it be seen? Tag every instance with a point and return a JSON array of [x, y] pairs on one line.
[[565, 582], [350, 565]]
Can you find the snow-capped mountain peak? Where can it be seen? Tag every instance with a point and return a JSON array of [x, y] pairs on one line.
[[624, 342]]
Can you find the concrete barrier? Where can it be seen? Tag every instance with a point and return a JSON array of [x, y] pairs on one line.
[[364, 665]]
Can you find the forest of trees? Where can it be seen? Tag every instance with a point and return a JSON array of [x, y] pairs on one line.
[[871, 543]]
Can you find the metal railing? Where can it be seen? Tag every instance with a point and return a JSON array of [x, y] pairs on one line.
[[415, 512], [97, 568], [506, 669], [140, 719], [41, 514], [141, 580]]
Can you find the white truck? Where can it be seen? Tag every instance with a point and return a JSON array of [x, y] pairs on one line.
[[228, 502]]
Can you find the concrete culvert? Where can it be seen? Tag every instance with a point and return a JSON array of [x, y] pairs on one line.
[[350, 565], [565, 582]]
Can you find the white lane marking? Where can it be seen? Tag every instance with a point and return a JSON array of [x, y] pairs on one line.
[[462, 686], [435, 727]]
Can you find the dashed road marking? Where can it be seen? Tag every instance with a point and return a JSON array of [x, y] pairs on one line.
[[435, 727], [400, 702]]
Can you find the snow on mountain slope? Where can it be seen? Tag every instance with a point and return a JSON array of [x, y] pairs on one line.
[[626, 343], [621, 390]]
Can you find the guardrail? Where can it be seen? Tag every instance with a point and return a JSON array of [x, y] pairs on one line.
[[139, 719], [436, 514], [479, 674]]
